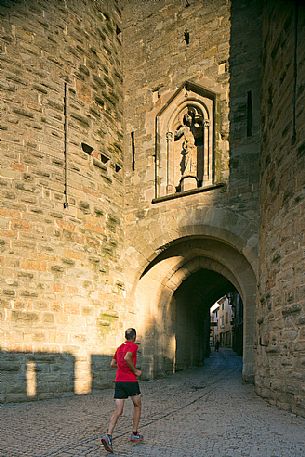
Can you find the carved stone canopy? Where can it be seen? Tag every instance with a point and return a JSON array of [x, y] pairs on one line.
[[185, 134]]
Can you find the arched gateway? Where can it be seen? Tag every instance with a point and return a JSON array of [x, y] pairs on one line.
[[184, 277]]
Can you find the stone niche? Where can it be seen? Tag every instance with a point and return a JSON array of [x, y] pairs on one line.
[[185, 141]]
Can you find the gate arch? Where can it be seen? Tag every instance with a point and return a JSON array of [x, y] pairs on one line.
[[172, 264]]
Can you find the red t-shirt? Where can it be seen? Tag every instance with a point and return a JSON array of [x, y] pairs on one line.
[[124, 374]]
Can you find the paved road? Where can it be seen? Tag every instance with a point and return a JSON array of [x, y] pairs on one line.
[[205, 412]]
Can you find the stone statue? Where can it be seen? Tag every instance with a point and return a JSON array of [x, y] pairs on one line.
[[188, 164]]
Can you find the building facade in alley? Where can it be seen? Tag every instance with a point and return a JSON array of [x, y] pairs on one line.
[[227, 323], [221, 315], [152, 162]]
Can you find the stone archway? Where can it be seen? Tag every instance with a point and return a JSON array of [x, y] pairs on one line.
[[154, 292]]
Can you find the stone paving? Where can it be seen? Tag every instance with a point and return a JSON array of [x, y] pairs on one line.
[[200, 412]]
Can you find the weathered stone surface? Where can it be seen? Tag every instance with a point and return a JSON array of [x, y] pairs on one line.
[[282, 209], [37, 178], [88, 247], [155, 71]]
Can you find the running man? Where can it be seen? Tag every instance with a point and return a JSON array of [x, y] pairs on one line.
[[126, 385]]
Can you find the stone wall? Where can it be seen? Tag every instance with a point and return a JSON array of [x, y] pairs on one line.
[[61, 191], [216, 46], [88, 247], [281, 308]]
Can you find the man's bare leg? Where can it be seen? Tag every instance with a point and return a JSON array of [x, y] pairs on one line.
[[137, 407], [106, 439], [119, 407]]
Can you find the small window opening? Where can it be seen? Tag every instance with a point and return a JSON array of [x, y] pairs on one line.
[[133, 151], [104, 159], [87, 148], [187, 37], [117, 168]]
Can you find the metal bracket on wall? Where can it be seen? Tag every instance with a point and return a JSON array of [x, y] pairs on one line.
[[260, 342], [66, 144]]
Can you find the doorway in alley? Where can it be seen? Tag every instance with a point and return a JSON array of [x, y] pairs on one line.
[[226, 328], [197, 328], [174, 296]]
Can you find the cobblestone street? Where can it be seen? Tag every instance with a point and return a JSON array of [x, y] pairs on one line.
[[201, 412]]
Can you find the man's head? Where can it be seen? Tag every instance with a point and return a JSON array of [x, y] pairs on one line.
[[130, 334]]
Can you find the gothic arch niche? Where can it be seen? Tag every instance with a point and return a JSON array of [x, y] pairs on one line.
[[185, 141]]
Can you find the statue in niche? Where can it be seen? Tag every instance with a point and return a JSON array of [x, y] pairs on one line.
[[188, 164], [191, 134]]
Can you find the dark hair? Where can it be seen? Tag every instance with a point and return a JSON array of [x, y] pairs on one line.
[[130, 334]]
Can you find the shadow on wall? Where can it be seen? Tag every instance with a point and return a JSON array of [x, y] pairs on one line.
[[244, 115], [156, 354], [35, 376], [28, 376], [101, 373]]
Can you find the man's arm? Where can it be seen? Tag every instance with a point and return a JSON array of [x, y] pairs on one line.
[[113, 363], [129, 361]]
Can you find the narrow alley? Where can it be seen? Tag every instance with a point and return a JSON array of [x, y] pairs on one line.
[[200, 412]]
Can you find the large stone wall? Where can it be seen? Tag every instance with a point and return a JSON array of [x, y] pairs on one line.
[[155, 69], [88, 247], [222, 55], [61, 202], [281, 307]]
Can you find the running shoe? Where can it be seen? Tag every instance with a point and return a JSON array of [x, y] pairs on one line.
[[136, 438], [106, 441]]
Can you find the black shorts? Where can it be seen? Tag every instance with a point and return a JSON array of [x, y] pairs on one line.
[[126, 389]]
